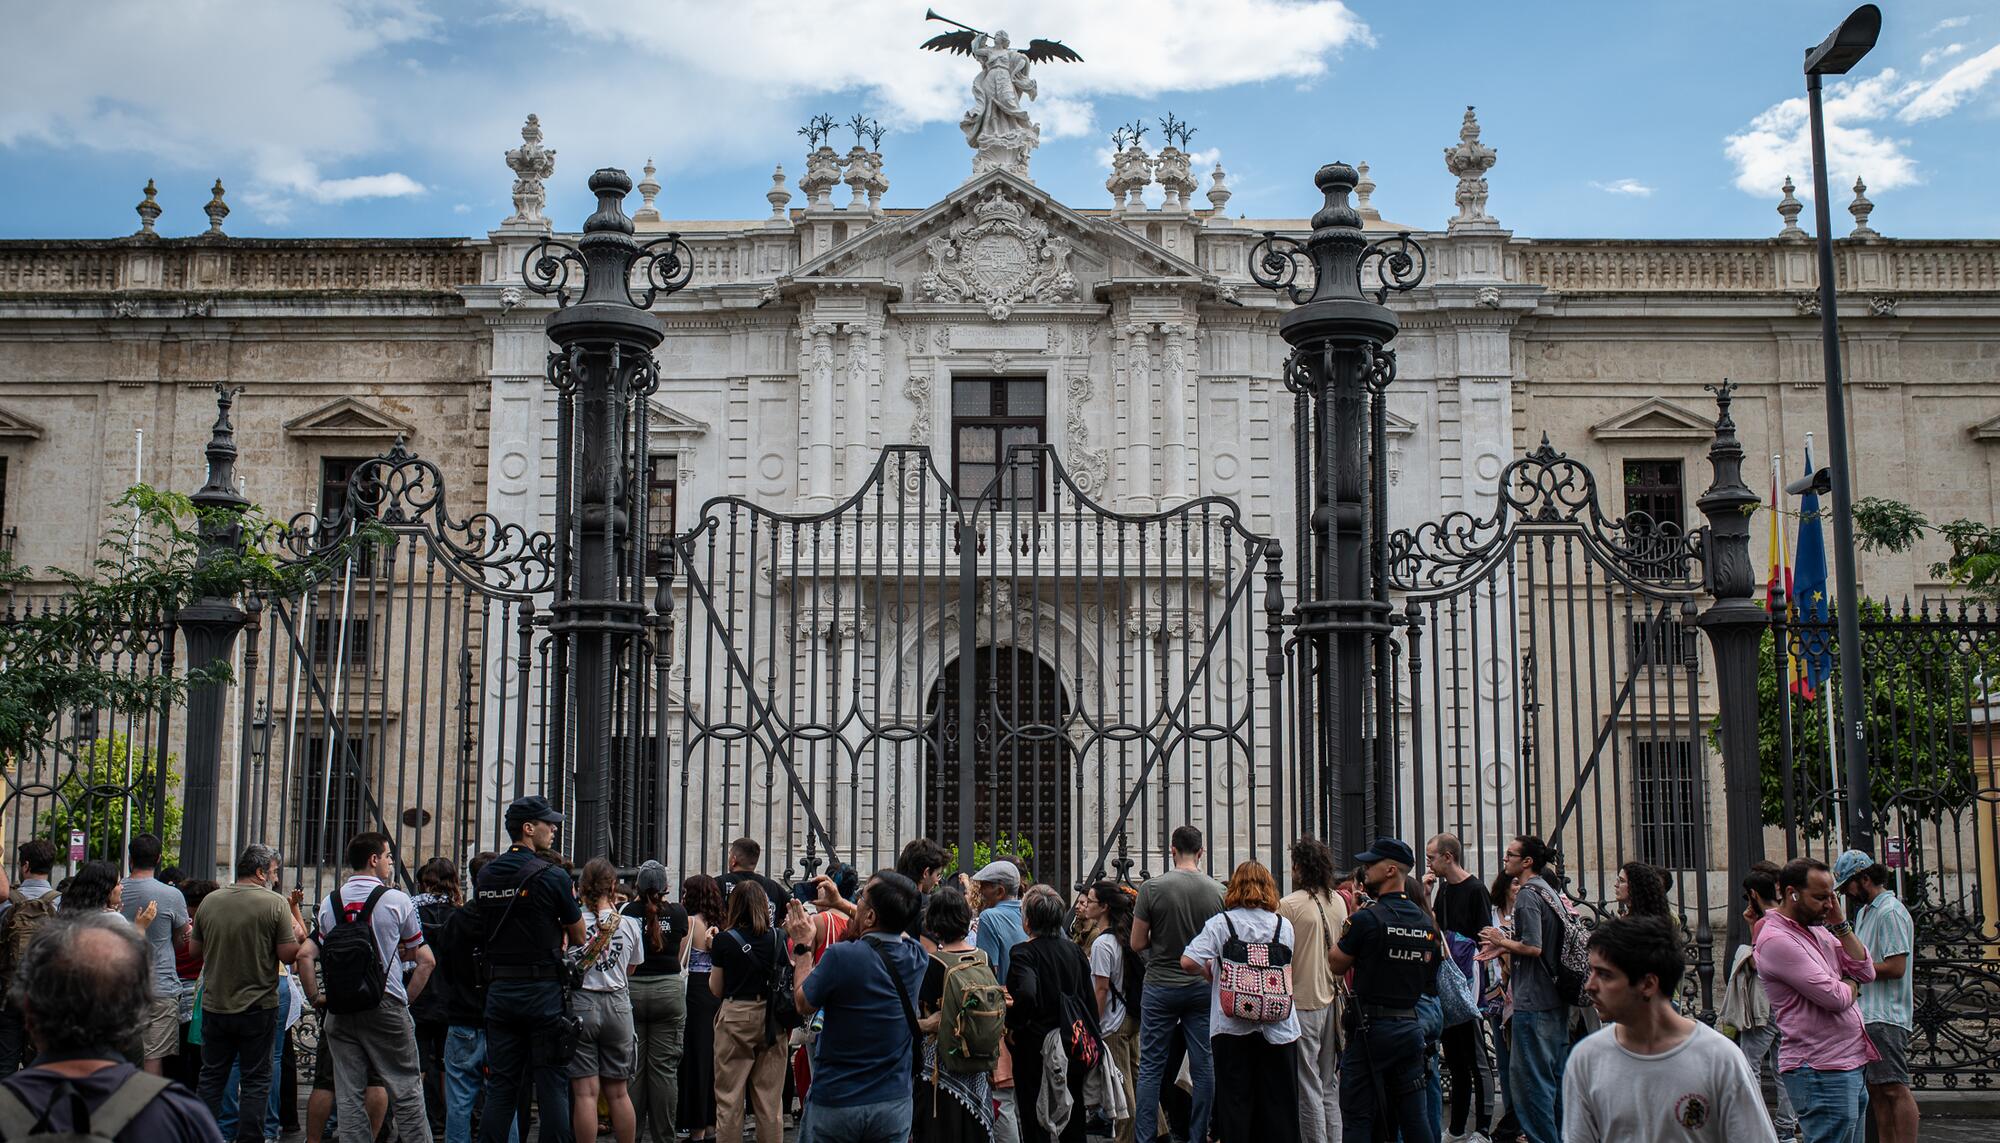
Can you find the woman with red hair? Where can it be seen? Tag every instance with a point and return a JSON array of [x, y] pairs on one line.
[[1246, 952]]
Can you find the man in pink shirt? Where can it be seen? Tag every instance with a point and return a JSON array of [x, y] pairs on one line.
[[1806, 955]]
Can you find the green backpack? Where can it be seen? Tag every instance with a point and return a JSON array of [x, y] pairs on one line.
[[974, 1014], [22, 1124]]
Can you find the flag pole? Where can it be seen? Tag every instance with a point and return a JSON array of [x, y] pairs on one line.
[[1783, 631], [1833, 783]]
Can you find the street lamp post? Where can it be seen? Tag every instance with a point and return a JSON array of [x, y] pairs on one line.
[[603, 371], [1339, 369], [1835, 55]]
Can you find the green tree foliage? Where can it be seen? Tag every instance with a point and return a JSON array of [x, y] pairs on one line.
[[1974, 564], [94, 798], [983, 851], [78, 655], [1921, 680]]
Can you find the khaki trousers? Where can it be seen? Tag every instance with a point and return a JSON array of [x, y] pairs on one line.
[[1124, 1045], [743, 1061]]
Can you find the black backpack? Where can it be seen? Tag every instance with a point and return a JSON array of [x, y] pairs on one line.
[[430, 1005], [352, 977]]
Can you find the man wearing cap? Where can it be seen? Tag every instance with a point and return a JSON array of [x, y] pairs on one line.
[[1883, 926], [529, 910], [999, 926], [1393, 948], [1806, 954]]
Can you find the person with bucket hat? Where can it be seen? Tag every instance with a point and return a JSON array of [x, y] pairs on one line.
[[529, 911], [1393, 948], [1888, 1011]]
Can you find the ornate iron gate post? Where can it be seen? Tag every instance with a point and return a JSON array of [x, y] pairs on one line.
[[603, 371], [211, 624], [1735, 623], [1338, 361]]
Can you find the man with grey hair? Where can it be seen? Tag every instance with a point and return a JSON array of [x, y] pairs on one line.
[[243, 932], [81, 986]]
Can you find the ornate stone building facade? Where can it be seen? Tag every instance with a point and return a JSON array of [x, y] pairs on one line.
[[1129, 337]]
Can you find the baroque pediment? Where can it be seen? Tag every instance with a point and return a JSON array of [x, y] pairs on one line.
[[348, 418], [1654, 419], [998, 255], [998, 242], [662, 421]]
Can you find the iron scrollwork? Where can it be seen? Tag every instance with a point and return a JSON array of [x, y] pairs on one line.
[[1275, 263], [1400, 265], [545, 268], [666, 266]]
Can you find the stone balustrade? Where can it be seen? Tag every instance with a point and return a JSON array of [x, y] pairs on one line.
[[259, 266]]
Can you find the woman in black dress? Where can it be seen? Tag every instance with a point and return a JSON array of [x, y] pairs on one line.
[[949, 1107], [701, 896], [1041, 975]]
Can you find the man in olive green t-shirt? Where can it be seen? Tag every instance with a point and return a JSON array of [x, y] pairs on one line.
[[1172, 908], [242, 932]]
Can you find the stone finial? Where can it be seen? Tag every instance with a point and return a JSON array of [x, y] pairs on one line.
[[649, 189], [1219, 194], [778, 196], [1861, 208], [1173, 171], [822, 175], [216, 210], [1131, 172], [1470, 161], [1788, 209], [1362, 190], [531, 163], [149, 209]]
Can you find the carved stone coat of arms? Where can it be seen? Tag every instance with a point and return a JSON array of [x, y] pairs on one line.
[[998, 256]]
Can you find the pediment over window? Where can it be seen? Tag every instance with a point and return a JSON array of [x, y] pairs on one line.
[[348, 419], [15, 427], [1654, 419], [664, 422], [1398, 426], [1986, 430]]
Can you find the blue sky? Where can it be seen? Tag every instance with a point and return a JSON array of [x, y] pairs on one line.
[[389, 117]]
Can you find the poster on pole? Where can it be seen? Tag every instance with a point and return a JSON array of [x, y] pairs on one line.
[[76, 845]]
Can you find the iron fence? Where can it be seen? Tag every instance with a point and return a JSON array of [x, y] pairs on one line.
[[1934, 770]]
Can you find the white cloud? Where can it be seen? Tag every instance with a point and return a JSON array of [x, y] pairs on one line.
[[261, 94], [325, 104], [461, 208], [1777, 143], [1943, 53], [1953, 88], [1630, 187], [1949, 23]]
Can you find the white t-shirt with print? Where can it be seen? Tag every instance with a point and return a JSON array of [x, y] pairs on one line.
[[625, 951], [1699, 1090]]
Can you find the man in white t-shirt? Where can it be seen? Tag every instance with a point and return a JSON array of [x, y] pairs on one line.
[[381, 1040], [1651, 1075]]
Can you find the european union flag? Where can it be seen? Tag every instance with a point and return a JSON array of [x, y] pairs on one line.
[[1810, 604]]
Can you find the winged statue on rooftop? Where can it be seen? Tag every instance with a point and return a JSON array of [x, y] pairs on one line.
[[997, 128]]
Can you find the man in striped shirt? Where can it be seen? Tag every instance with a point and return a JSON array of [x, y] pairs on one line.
[[1887, 1008]]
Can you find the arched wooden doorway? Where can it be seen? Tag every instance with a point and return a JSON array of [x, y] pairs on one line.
[[1021, 764]]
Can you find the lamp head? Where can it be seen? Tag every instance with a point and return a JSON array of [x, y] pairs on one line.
[[1855, 38], [1819, 483]]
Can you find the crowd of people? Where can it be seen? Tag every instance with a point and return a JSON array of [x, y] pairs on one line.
[[527, 994]]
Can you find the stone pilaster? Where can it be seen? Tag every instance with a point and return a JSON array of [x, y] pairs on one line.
[[1176, 385], [1140, 492], [816, 367]]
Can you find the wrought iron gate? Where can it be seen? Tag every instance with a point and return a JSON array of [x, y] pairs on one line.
[[1024, 668], [403, 689], [1555, 686]]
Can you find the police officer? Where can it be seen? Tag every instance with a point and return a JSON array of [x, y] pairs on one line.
[[528, 910], [1393, 948]]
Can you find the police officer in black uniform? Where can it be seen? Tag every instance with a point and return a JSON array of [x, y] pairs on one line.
[[528, 910], [1393, 948]]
